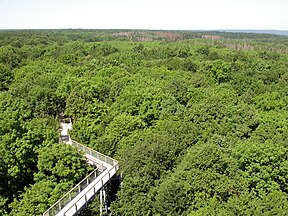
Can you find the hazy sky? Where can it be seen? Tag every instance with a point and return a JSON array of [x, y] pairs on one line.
[[148, 14]]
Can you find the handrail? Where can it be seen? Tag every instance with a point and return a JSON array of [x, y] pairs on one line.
[[116, 167], [64, 200], [80, 187], [94, 153]]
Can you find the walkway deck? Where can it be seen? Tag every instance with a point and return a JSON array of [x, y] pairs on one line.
[[79, 196]]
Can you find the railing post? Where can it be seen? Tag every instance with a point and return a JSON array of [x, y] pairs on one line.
[[105, 203], [101, 204], [109, 177]]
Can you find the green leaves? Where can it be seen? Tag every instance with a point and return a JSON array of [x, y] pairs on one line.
[[6, 77], [36, 199], [9, 56], [37, 84], [264, 165], [274, 203], [59, 166], [206, 171], [271, 101], [60, 163], [220, 71]]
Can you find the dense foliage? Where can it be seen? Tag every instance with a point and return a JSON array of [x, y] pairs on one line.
[[198, 121]]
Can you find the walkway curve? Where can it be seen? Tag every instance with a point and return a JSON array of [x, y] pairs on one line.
[[82, 193]]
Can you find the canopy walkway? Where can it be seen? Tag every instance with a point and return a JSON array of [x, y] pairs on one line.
[[82, 193]]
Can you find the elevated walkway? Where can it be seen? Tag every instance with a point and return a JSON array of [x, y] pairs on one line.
[[82, 193]]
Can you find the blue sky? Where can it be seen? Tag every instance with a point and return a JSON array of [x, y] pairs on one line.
[[148, 14]]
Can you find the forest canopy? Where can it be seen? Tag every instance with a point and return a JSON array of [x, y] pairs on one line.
[[197, 120]]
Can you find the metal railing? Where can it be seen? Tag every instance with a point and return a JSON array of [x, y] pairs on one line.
[[94, 153], [116, 167], [70, 195], [63, 201]]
